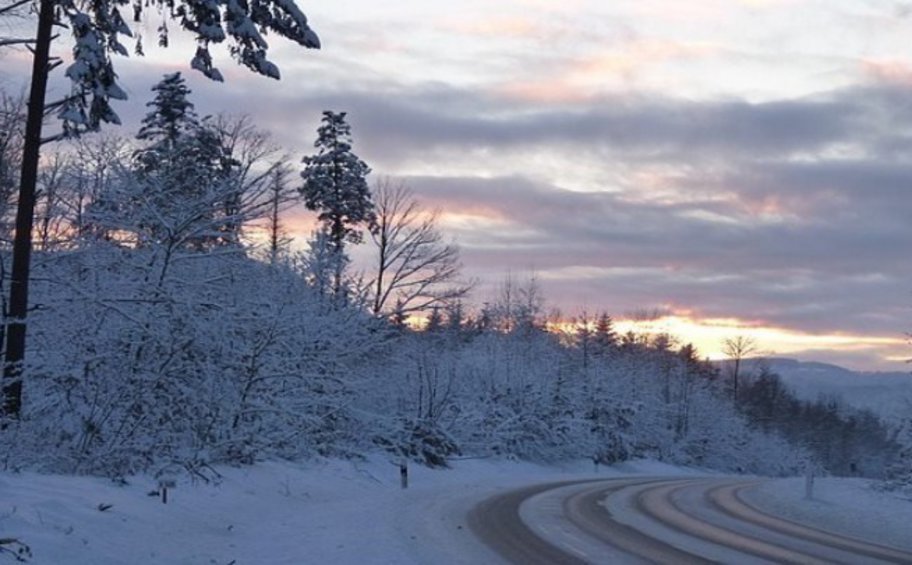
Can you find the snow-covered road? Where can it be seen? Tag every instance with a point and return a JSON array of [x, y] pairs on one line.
[[660, 520]]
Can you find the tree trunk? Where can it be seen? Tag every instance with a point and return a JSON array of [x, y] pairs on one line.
[[22, 243]]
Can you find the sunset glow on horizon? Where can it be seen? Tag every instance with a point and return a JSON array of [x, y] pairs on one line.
[[708, 336]]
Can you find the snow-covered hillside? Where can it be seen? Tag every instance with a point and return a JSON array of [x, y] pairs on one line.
[[887, 394]]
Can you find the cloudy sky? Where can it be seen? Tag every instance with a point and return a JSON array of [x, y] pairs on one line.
[[743, 167]]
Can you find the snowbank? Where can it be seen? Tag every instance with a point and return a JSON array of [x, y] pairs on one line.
[[276, 512]]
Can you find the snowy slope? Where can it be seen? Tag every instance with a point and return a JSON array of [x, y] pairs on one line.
[[888, 394], [327, 512], [277, 513]]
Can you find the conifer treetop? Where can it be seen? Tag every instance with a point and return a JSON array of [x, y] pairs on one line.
[[335, 182], [98, 27], [171, 113]]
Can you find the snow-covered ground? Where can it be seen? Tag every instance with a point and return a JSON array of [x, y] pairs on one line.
[[845, 506], [333, 512]]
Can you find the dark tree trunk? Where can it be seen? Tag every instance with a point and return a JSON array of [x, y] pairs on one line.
[[22, 243]]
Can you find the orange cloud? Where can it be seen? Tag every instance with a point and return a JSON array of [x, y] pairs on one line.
[[708, 334]]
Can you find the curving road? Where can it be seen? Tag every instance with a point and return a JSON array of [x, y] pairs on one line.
[[656, 520]]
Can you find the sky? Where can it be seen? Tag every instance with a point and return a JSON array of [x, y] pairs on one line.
[[732, 167]]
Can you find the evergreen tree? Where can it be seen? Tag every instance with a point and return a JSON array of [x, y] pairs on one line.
[[172, 115], [335, 185], [434, 321], [455, 317], [582, 338], [184, 173], [604, 337]]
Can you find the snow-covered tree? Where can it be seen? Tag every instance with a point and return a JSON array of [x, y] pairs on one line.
[[519, 306], [335, 185], [262, 189], [320, 264], [12, 118], [899, 473], [171, 117], [279, 197], [194, 182], [97, 27], [94, 165], [180, 179]]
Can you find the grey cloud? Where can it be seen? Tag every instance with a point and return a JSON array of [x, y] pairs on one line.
[[816, 276], [393, 122], [646, 127]]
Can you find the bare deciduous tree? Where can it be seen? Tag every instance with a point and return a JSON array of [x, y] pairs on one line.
[[415, 268], [12, 119], [737, 349], [280, 196]]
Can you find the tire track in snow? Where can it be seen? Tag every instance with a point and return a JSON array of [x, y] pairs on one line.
[[727, 499], [656, 520]]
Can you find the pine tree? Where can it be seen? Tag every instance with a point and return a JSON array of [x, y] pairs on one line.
[[434, 320], [583, 338], [455, 317], [604, 337], [184, 172], [172, 115], [335, 185]]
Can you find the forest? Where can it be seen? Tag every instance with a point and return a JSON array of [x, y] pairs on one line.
[[174, 325]]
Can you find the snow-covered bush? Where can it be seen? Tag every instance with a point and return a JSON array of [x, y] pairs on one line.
[[422, 441], [224, 359]]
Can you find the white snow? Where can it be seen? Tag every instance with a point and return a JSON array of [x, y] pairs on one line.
[[274, 512], [333, 512], [845, 506]]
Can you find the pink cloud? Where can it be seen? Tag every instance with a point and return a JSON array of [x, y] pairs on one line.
[[496, 27], [888, 71], [581, 78]]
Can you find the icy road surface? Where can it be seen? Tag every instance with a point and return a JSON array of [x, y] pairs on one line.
[[657, 520]]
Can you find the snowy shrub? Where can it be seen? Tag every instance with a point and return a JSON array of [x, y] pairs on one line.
[[162, 359], [223, 359], [898, 476], [421, 441]]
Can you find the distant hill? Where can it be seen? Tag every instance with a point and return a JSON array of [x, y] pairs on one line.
[[888, 394]]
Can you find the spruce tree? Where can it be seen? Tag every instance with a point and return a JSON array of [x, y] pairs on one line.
[[184, 173], [172, 115], [335, 185], [604, 338]]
